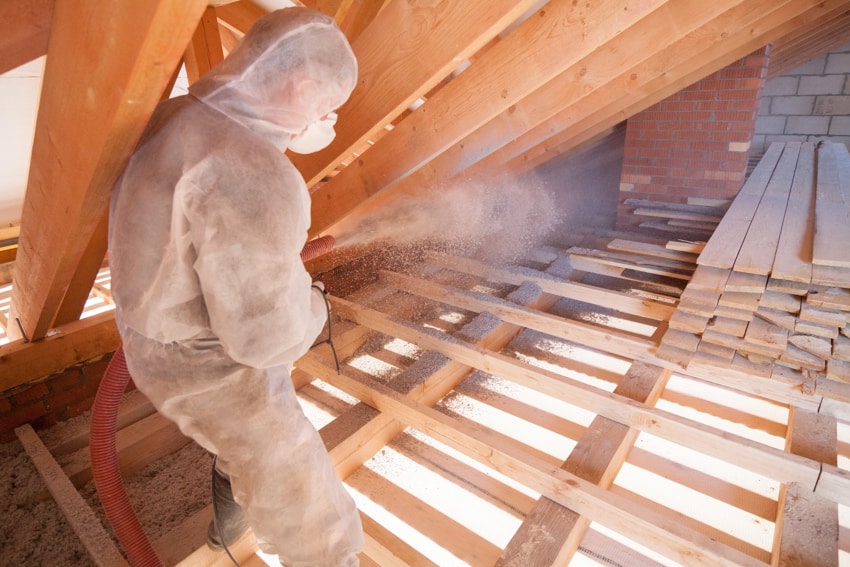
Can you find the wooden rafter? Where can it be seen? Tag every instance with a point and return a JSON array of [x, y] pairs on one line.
[[695, 55], [808, 42], [539, 49], [594, 101], [337, 8], [204, 51], [551, 107], [24, 29], [240, 15], [107, 68], [362, 17], [656, 79], [390, 80]]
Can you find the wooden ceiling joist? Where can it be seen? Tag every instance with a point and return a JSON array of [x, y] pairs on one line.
[[597, 458], [495, 386], [24, 30], [107, 68], [637, 521], [390, 80]]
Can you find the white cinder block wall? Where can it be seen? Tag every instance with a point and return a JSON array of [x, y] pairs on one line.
[[810, 103]]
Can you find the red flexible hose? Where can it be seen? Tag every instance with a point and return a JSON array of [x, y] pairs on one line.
[[104, 454], [105, 469], [317, 247]]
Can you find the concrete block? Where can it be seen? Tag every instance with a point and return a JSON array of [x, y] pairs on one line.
[[781, 86], [783, 138], [792, 105], [847, 85], [837, 63], [813, 67], [823, 85], [839, 126], [809, 125], [832, 106], [764, 106], [770, 124], [758, 144], [843, 49]]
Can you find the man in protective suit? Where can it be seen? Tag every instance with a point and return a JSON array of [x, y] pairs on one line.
[[212, 300]]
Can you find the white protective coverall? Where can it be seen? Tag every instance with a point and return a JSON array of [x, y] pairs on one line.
[[212, 300]]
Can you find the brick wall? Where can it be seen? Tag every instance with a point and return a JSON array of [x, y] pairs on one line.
[[809, 103], [57, 398], [696, 142]]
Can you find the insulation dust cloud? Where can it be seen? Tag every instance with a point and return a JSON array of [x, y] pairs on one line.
[[494, 219]]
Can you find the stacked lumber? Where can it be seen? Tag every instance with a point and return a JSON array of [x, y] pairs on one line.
[[771, 291], [652, 266], [696, 219]]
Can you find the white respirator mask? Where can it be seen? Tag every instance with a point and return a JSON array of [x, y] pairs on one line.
[[314, 137]]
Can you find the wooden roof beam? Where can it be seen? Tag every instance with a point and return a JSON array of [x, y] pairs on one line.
[[649, 37], [75, 343], [639, 42], [106, 69], [390, 80], [735, 35], [24, 29], [204, 51], [338, 9], [536, 51], [240, 15], [360, 19], [808, 42], [583, 96]]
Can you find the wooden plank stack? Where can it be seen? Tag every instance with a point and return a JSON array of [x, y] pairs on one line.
[[695, 219], [771, 292]]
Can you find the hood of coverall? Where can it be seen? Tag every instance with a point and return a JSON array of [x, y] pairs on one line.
[[292, 68]]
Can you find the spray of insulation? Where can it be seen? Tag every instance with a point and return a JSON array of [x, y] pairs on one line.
[[495, 219]]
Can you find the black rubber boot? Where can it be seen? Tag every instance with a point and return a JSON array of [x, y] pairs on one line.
[[228, 523]]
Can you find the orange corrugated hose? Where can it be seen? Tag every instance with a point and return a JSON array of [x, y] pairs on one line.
[[104, 454]]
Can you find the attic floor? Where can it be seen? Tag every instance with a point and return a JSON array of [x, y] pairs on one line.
[[516, 415]]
